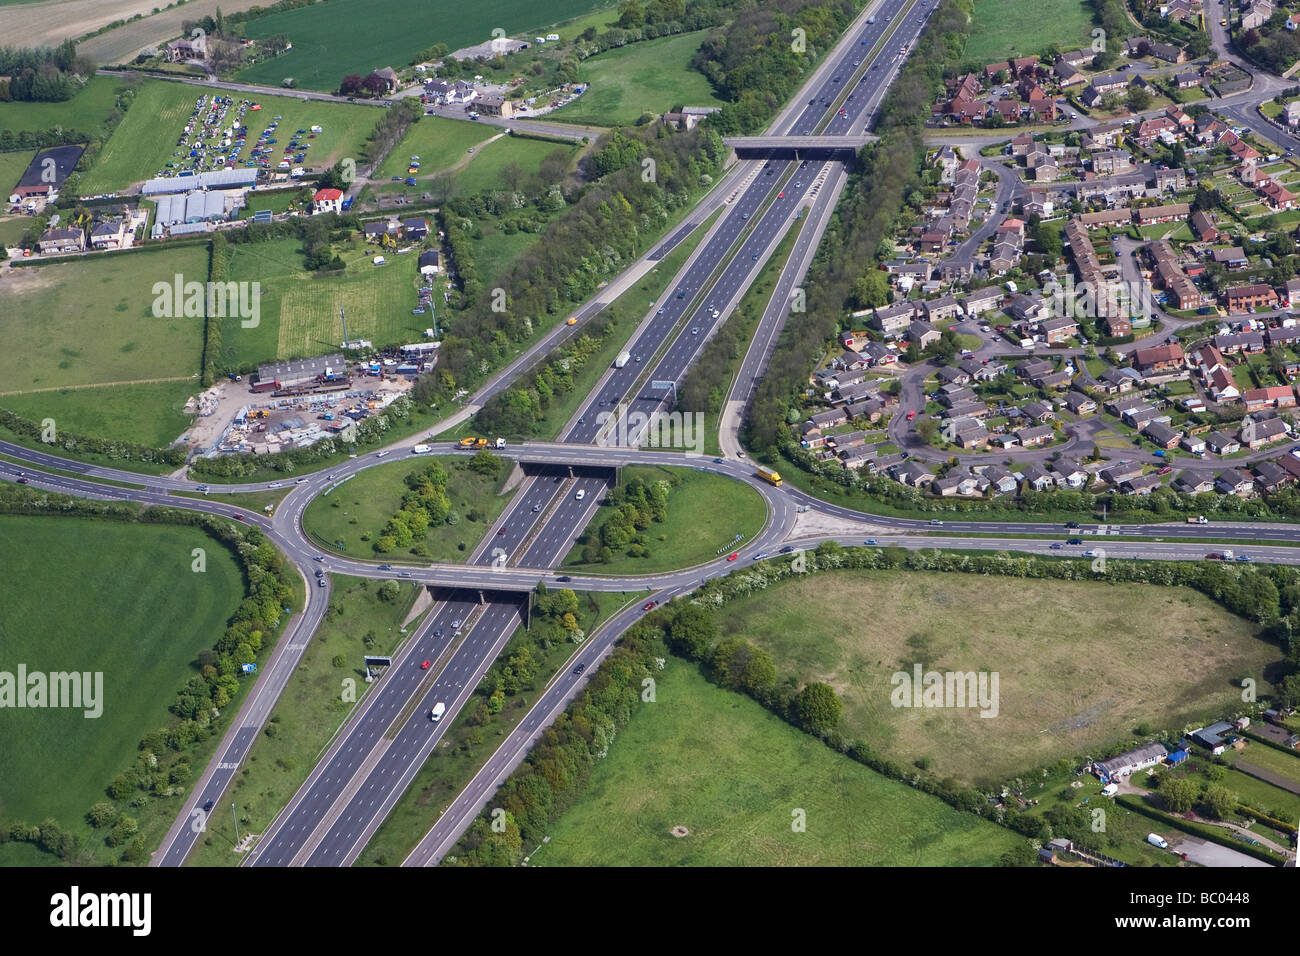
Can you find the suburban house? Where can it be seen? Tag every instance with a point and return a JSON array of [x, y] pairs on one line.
[[1129, 762], [327, 200], [62, 240]]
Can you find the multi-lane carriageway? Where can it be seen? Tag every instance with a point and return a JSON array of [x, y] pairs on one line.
[[389, 735]]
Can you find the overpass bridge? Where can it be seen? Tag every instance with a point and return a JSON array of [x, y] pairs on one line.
[[799, 147]]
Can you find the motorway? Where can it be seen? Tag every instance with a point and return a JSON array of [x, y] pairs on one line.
[[389, 734]]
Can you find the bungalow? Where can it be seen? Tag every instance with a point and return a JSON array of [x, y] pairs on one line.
[[1234, 482], [415, 228], [1130, 762], [375, 231], [1232, 258], [1141, 485], [967, 409], [971, 434], [1161, 435], [952, 375], [1203, 226], [955, 484], [1191, 483], [828, 419], [430, 262], [1187, 80], [1035, 436], [952, 395], [1220, 444], [1255, 434], [1001, 481], [1036, 478], [911, 473], [1038, 411], [1080, 404], [1271, 476], [1149, 215], [1193, 444], [1114, 381], [1120, 472], [878, 353], [1068, 473]]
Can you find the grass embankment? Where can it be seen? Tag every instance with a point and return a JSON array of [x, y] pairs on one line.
[[309, 711], [733, 775], [1075, 660], [706, 513]]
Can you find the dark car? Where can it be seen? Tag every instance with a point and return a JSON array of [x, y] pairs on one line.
[[1074, 541], [564, 577], [580, 668], [385, 567], [208, 806], [1072, 525]]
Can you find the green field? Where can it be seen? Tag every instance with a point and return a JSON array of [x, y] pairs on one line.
[[308, 712], [13, 229], [145, 140], [1000, 28], [86, 112], [705, 513], [12, 167], [300, 311], [1262, 755], [363, 505], [90, 321], [651, 76], [483, 173], [344, 37], [733, 775], [149, 414], [440, 143], [99, 596], [1059, 692]]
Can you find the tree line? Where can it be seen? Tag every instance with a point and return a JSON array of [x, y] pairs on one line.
[[46, 74]]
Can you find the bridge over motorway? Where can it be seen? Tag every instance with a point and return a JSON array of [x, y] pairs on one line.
[[799, 147]]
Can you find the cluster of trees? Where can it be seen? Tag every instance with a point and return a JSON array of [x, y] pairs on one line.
[[42, 74], [861, 235], [705, 388], [391, 127], [634, 506], [559, 766], [424, 505], [611, 223], [753, 61], [1272, 46], [554, 621], [371, 84]]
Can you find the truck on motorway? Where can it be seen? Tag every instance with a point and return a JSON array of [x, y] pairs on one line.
[[871, 19], [500, 443], [467, 442], [1228, 555], [421, 449], [623, 359], [769, 475], [1199, 519], [438, 710]]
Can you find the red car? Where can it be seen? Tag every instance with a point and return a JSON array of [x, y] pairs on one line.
[[649, 605], [425, 665], [1164, 471], [732, 557], [911, 415], [781, 194], [238, 517]]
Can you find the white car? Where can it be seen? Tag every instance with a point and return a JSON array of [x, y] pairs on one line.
[[581, 493]]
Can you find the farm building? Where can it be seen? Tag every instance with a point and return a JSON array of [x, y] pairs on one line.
[[218, 179], [1128, 763]]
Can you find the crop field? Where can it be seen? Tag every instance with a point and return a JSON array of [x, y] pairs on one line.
[[440, 143], [363, 505], [734, 775], [1001, 28], [91, 322], [144, 142], [151, 414], [87, 111], [299, 312], [1076, 660], [143, 633], [649, 76], [342, 37]]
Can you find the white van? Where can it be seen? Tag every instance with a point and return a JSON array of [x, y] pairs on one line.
[[1110, 790], [438, 710], [1155, 839]]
